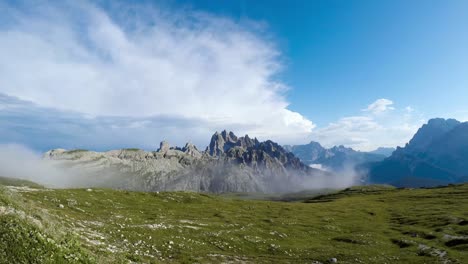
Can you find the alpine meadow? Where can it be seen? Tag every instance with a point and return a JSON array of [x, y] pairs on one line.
[[234, 131]]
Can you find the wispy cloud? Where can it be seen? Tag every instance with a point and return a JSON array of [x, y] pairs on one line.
[[379, 106], [145, 62], [409, 109]]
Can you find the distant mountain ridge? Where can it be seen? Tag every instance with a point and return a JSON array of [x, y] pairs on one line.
[[337, 158], [229, 164], [436, 155], [385, 151]]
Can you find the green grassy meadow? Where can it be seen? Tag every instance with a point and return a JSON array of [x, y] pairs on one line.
[[373, 224]]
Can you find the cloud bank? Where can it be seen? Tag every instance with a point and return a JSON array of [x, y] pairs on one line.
[[76, 75], [42, 128], [20, 162], [145, 62]]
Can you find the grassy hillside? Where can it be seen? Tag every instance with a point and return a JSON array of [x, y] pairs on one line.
[[374, 224], [18, 182]]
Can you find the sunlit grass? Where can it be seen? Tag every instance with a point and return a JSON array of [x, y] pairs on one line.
[[376, 224]]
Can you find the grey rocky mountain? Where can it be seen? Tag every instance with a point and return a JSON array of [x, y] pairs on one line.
[[436, 155], [229, 164], [308, 153], [222, 142], [337, 158], [191, 150]]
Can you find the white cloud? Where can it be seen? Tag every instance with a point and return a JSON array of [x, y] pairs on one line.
[[42, 128], [371, 130], [186, 65], [379, 106], [23, 122], [138, 75], [409, 109]]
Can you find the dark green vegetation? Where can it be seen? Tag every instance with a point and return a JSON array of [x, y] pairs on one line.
[[28, 235], [374, 224]]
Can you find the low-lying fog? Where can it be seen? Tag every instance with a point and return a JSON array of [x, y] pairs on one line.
[[17, 161]]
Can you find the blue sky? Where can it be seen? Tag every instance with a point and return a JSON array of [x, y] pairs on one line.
[[104, 75], [412, 52]]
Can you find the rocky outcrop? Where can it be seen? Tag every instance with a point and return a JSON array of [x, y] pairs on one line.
[[229, 164]]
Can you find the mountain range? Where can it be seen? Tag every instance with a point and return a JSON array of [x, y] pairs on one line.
[[337, 158], [229, 164], [436, 155]]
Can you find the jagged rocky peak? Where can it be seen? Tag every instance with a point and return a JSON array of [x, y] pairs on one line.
[[315, 144], [222, 142], [191, 150], [251, 152], [247, 142], [164, 146], [216, 145], [263, 152], [341, 148]]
